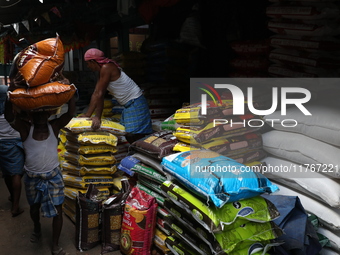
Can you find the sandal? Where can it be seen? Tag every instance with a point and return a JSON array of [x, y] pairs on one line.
[[60, 251], [35, 237]]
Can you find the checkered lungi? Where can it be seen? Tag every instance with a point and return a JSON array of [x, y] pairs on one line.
[[46, 189], [136, 116]]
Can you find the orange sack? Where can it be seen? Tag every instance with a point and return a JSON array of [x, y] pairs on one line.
[[48, 95], [39, 62]]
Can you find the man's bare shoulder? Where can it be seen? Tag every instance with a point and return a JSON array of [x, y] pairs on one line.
[[112, 70]]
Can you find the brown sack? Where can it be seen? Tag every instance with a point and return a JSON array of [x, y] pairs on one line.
[[39, 62], [49, 95]]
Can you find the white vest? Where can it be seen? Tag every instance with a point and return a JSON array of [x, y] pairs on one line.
[[124, 89]]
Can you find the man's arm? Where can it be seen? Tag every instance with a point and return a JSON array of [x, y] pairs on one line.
[[97, 99], [16, 120], [64, 119]]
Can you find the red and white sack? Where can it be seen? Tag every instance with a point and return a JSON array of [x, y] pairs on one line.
[[38, 63], [139, 222], [49, 95]]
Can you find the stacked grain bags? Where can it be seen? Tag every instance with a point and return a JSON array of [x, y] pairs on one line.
[[210, 196], [304, 161], [35, 73], [251, 58], [306, 38], [88, 158], [144, 164], [220, 131]]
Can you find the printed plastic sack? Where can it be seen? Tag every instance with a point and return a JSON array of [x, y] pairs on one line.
[[92, 138], [102, 159], [192, 114], [181, 216], [158, 144], [214, 219], [182, 147], [112, 216], [177, 246], [247, 234], [217, 178], [89, 149], [139, 223], [88, 209], [100, 181], [228, 128], [88, 170], [40, 62], [235, 144], [159, 241], [159, 198], [79, 125], [49, 95], [191, 239]]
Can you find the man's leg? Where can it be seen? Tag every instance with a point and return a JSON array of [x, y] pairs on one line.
[[8, 182], [35, 216], [57, 226], [15, 194]]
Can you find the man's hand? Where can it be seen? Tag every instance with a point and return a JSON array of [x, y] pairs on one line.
[[96, 123]]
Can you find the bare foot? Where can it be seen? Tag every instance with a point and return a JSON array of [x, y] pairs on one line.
[[17, 213]]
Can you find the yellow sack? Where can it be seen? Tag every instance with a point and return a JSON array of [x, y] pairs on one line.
[[182, 147], [192, 114], [87, 170], [92, 138], [159, 240], [90, 160], [89, 149], [81, 124], [84, 181]]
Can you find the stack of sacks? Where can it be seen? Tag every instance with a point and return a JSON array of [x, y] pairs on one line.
[[163, 100], [145, 165], [133, 64], [216, 205], [88, 158], [230, 135], [304, 160], [251, 58], [35, 72], [306, 38]]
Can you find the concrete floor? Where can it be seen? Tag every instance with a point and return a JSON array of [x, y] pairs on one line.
[[15, 232]]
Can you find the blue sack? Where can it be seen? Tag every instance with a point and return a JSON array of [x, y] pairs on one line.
[[216, 177]]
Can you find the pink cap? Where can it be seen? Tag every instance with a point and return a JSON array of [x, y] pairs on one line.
[[98, 56], [94, 54]]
